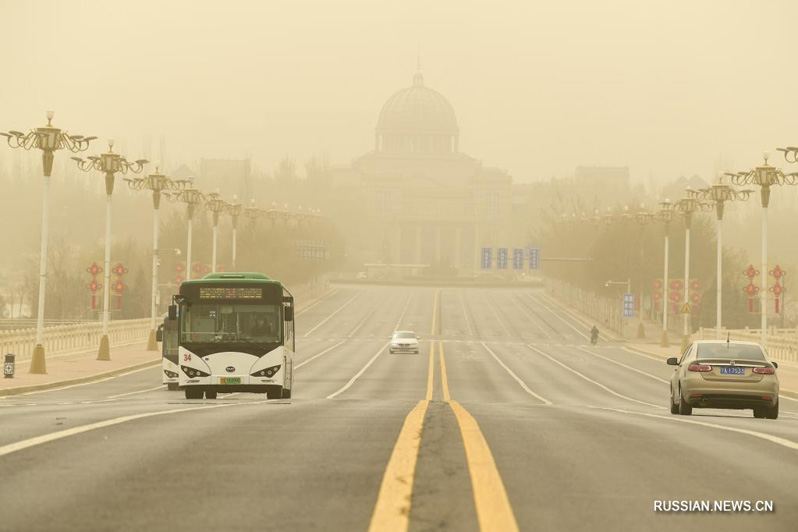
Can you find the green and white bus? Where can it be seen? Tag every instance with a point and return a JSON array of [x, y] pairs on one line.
[[167, 335], [235, 334]]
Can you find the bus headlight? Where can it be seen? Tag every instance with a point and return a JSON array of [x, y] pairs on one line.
[[170, 374], [193, 372], [268, 372]]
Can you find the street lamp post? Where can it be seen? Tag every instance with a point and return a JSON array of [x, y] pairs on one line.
[[217, 206], [643, 218], [49, 139], [719, 194], [688, 206], [192, 198], [159, 184], [765, 177], [665, 215], [234, 210], [110, 164]]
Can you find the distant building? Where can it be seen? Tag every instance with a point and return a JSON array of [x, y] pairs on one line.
[[424, 201]]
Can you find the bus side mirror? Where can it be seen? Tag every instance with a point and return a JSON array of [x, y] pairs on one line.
[[172, 312], [289, 313], [159, 334]]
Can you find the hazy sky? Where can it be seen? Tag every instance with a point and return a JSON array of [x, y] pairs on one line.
[[666, 87]]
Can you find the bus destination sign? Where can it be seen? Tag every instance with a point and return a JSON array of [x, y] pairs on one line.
[[226, 292]]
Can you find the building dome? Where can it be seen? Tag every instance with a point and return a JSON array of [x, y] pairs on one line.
[[417, 119]]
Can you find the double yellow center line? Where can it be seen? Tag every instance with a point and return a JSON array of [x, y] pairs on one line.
[[392, 510]]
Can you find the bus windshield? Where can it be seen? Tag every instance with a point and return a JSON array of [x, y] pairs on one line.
[[226, 323]]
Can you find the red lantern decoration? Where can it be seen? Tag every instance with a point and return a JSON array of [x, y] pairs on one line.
[[751, 272]]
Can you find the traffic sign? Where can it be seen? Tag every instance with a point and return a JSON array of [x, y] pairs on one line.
[[518, 259], [628, 305], [534, 258], [501, 258], [487, 258], [686, 309]]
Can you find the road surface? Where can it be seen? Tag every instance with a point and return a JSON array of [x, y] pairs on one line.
[[507, 420]]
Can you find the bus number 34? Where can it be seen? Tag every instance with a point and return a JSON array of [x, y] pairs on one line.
[[186, 357]]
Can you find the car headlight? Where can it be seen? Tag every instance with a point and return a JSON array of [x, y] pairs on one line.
[[268, 372], [193, 372]]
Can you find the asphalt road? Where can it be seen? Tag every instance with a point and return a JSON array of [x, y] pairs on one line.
[[507, 419]]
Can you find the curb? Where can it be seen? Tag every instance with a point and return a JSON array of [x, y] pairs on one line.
[[80, 380]]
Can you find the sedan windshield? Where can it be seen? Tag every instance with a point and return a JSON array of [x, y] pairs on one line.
[[731, 351], [404, 335]]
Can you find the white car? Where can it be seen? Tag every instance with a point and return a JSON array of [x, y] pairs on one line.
[[403, 342]]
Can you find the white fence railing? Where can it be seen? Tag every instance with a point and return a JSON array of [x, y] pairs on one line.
[[77, 337], [782, 343], [63, 339]]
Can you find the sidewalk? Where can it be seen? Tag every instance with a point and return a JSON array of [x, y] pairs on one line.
[[79, 367]]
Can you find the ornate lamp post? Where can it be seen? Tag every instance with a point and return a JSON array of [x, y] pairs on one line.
[[665, 215], [688, 206], [643, 218], [790, 153], [49, 139], [765, 177], [719, 194], [192, 198], [159, 184], [235, 210], [110, 164], [217, 206]]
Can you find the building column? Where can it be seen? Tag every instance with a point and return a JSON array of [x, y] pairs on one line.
[[458, 237], [437, 244], [418, 244], [397, 244]]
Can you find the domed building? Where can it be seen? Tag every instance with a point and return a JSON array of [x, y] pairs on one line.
[[422, 202]]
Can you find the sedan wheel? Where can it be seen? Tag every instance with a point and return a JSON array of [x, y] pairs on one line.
[[674, 406], [684, 408], [759, 412], [772, 412]]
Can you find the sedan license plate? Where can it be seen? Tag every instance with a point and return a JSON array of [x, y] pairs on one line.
[[730, 370], [230, 380]]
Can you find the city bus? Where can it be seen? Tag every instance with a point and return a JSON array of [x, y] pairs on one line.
[[167, 335], [235, 334]]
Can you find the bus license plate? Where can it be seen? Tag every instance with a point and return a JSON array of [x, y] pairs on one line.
[[732, 371], [230, 380]]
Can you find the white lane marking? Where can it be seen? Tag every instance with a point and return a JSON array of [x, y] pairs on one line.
[[32, 442], [358, 374], [556, 315], [649, 375], [787, 397], [136, 392], [588, 379], [514, 376], [311, 359], [531, 319], [404, 310], [465, 313], [87, 383], [335, 291], [501, 321], [681, 419], [641, 354], [328, 318]]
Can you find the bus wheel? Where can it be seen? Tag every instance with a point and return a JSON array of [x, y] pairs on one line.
[[192, 392], [286, 394], [210, 394], [172, 386]]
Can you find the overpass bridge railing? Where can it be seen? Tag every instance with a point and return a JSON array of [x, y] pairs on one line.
[[73, 338], [782, 343]]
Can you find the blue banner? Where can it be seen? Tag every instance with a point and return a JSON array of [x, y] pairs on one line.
[[518, 259], [501, 258], [487, 258]]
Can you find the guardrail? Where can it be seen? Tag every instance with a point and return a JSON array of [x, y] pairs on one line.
[[605, 311], [782, 343], [64, 339]]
